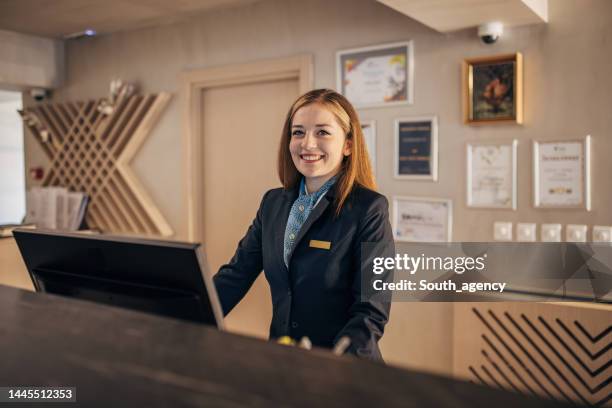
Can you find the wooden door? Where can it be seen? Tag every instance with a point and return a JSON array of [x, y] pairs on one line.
[[241, 126]]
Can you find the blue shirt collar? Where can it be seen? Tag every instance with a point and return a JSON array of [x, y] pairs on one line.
[[324, 188]]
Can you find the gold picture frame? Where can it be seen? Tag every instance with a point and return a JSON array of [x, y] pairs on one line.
[[493, 89]]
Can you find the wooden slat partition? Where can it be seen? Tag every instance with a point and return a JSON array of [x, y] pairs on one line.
[[92, 152]]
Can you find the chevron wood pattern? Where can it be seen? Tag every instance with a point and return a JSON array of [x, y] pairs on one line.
[[90, 151], [560, 351]]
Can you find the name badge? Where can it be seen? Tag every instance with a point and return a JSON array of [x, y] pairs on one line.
[[320, 244]]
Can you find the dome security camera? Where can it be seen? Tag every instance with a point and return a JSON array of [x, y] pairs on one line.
[[39, 94], [489, 33]]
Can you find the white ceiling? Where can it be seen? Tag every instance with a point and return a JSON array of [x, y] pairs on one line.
[[451, 15], [57, 18]]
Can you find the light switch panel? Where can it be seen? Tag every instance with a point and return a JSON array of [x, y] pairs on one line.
[[575, 233], [502, 231], [525, 232], [602, 233], [550, 233]]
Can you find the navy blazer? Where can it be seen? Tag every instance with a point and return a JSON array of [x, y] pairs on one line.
[[319, 295]]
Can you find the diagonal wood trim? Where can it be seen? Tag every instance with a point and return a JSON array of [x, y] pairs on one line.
[[558, 355], [534, 355], [532, 376], [596, 338], [509, 365], [593, 357], [500, 372]]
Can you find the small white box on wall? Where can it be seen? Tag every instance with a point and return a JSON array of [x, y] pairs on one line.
[[550, 233], [575, 233], [502, 231], [525, 232], [602, 233]]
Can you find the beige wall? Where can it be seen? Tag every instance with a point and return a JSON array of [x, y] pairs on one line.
[[568, 89]]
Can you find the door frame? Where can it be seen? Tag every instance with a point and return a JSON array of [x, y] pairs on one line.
[[193, 84]]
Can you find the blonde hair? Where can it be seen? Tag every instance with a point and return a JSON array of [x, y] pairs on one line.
[[356, 167]]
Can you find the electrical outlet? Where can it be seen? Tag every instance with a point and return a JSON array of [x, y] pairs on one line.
[[502, 231], [602, 233], [550, 233], [575, 233], [525, 232]]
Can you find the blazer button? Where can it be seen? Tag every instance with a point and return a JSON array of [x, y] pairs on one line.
[[294, 325]]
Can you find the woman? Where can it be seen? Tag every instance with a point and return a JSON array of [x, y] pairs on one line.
[[308, 235]]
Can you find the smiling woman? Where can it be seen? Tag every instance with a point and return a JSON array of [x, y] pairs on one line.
[[308, 235]]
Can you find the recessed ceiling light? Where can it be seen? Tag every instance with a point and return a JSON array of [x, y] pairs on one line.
[[85, 33]]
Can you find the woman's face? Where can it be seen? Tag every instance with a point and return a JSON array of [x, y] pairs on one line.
[[318, 144]]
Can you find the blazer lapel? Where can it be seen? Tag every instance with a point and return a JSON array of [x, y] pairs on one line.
[[314, 215], [289, 196]]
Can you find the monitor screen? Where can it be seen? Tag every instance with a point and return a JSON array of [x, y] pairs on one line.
[[160, 277]]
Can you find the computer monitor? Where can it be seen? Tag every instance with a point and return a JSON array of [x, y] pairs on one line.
[[160, 277]]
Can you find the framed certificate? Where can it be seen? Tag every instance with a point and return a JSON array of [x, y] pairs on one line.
[[491, 175], [562, 174], [416, 148], [368, 128], [418, 219], [381, 75]]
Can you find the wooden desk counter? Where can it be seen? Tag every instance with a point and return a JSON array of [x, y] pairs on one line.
[[13, 271], [117, 357]]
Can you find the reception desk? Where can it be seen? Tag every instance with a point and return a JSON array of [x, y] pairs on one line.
[[13, 271], [117, 357]]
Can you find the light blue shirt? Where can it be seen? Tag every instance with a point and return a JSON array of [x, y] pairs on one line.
[[300, 210]]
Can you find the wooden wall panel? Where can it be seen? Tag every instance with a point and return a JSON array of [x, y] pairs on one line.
[[558, 350]]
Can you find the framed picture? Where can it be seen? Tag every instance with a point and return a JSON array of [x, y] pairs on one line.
[[416, 148], [562, 174], [375, 76], [368, 128], [419, 219], [491, 175], [493, 89]]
